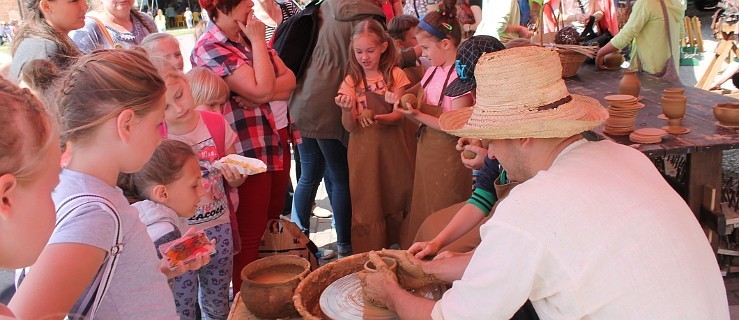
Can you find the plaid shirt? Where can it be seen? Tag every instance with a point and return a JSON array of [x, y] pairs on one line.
[[258, 137]]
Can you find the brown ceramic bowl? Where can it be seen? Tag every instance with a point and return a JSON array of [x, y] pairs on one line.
[[613, 60], [268, 285], [727, 113]]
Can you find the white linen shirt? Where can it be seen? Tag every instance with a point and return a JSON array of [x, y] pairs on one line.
[[599, 235]]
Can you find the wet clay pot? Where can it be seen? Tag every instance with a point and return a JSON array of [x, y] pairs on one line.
[[390, 262], [268, 285], [630, 84], [673, 108], [613, 60]]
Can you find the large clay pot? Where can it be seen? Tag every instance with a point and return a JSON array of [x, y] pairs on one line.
[[268, 285], [673, 108], [629, 84]]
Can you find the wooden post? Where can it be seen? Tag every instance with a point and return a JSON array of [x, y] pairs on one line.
[[705, 169], [698, 34]]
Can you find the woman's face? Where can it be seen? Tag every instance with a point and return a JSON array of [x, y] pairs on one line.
[[65, 15], [118, 8], [242, 11]]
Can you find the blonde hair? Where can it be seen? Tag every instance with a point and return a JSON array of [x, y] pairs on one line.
[[26, 132], [166, 69], [150, 40], [207, 86], [99, 86]]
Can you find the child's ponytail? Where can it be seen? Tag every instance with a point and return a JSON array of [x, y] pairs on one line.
[[443, 23]]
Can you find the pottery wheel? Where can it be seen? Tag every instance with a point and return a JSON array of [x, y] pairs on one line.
[[343, 300]]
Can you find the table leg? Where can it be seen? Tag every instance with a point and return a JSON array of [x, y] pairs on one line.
[[705, 169]]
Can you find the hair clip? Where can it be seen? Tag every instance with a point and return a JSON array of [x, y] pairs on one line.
[[447, 26]]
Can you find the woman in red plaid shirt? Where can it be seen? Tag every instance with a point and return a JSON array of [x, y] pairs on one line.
[[233, 46]]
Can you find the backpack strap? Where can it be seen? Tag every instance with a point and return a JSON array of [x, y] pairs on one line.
[[87, 306], [217, 128]]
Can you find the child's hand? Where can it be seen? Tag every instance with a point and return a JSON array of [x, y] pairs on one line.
[[425, 249], [345, 102], [390, 97], [367, 122], [201, 260], [254, 29], [476, 162], [409, 112], [233, 177]]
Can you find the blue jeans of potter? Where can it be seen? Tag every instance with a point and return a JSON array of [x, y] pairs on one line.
[[317, 155]]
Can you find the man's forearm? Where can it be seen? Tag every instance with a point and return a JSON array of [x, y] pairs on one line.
[[449, 269], [408, 306]]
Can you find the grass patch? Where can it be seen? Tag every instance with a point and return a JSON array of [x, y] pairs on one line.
[[179, 32], [5, 49]]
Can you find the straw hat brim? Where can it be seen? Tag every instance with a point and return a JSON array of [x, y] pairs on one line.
[[504, 127]]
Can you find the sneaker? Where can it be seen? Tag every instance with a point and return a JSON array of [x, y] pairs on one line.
[[321, 212], [325, 254]]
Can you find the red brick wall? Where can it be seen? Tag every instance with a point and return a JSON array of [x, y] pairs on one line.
[[9, 10]]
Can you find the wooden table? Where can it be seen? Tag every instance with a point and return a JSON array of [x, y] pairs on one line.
[[703, 145]]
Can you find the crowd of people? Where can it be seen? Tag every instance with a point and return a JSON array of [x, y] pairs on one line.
[[552, 225]]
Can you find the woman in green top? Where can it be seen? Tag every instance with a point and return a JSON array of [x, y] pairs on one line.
[[645, 31]]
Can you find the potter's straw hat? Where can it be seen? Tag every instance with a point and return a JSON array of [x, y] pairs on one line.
[[521, 94]]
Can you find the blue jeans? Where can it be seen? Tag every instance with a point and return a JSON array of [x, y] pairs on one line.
[[317, 156]]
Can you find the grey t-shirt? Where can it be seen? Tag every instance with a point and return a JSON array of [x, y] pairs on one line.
[[138, 290], [31, 49]]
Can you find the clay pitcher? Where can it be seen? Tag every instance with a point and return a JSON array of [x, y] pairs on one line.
[[268, 285], [630, 84]]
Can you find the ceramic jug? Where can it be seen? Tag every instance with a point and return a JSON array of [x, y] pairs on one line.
[[629, 84]]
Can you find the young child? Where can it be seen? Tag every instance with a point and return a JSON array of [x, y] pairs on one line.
[[165, 46], [165, 190], [211, 138], [99, 261], [29, 159], [403, 29], [208, 89], [379, 167], [440, 179]]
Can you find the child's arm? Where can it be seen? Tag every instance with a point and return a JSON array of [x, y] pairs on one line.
[[464, 220], [347, 104], [392, 118], [285, 81], [257, 83], [58, 278]]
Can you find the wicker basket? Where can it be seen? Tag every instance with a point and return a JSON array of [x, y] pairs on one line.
[[571, 62], [308, 292]]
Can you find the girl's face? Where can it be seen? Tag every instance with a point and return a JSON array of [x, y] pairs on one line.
[[64, 15], [367, 51], [436, 51], [215, 105], [183, 194], [180, 108], [25, 230], [145, 137], [169, 49]]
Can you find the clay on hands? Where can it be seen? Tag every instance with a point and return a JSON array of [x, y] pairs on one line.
[[374, 283], [410, 274], [469, 154]]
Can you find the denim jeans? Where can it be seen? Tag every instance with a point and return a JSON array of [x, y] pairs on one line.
[[317, 156]]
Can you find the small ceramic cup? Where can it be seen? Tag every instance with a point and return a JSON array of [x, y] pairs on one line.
[[390, 262]]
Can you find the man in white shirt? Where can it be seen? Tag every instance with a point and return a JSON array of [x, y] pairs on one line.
[[592, 230], [502, 19]]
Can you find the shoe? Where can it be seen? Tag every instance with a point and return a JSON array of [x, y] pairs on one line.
[[326, 254], [321, 212]]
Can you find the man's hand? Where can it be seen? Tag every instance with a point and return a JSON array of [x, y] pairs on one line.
[[375, 284], [410, 271]]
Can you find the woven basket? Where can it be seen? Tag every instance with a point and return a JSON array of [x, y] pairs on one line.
[[308, 292], [571, 62]]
